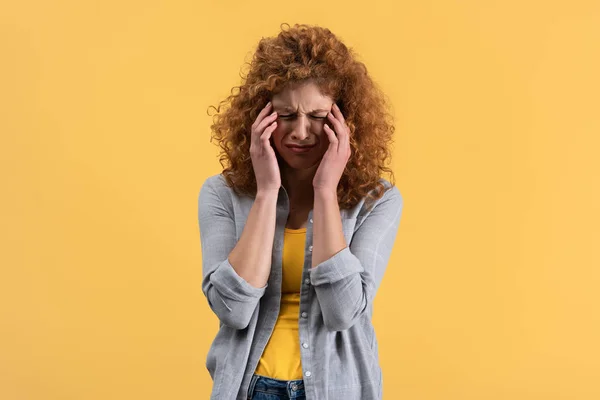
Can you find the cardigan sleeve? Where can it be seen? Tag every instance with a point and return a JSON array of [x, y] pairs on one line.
[[230, 297], [346, 282]]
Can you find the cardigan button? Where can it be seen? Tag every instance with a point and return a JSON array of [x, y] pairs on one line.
[[310, 248], [311, 221], [308, 373]]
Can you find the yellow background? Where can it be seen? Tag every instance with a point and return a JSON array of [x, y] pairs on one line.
[[493, 288]]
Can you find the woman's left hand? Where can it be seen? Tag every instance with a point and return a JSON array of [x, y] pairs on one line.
[[338, 153]]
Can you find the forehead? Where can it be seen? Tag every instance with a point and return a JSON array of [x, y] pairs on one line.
[[304, 95]]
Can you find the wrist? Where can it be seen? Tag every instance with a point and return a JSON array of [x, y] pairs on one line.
[[267, 193], [325, 192]]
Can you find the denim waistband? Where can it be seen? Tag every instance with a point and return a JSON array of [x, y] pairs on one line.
[[292, 388]]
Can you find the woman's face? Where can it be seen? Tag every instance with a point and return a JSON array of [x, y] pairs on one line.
[[301, 115]]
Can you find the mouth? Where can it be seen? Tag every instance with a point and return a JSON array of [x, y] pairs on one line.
[[300, 149]]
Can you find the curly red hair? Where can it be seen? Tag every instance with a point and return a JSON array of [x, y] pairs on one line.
[[299, 53]]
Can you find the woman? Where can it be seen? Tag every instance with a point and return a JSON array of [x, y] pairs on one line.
[[297, 231]]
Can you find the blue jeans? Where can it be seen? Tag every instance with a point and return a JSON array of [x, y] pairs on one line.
[[265, 388]]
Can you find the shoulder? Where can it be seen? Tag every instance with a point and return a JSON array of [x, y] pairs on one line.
[[215, 188], [216, 183], [391, 192], [388, 203]]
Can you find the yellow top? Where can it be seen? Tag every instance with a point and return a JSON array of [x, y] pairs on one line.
[[281, 357]]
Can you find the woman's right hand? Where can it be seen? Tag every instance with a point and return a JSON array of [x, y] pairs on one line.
[[264, 160]]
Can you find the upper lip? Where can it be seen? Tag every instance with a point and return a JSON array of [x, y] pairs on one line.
[[302, 146]]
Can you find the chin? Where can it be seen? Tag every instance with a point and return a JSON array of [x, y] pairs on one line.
[[298, 164], [301, 164]]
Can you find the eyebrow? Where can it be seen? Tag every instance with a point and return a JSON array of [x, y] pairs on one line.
[[288, 108]]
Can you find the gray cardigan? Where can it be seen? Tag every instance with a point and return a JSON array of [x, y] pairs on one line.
[[339, 351]]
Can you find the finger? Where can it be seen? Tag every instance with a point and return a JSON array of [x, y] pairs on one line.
[[266, 135], [262, 115], [344, 132], [259, 130], [337, 113], [333, 140], [337, 125], [266, 121], [266, 110], [344, 144]]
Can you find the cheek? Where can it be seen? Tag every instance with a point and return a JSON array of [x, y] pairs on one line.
[[275, 140], [276, 135]]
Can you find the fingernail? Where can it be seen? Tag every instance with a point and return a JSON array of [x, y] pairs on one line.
[[269, 103]]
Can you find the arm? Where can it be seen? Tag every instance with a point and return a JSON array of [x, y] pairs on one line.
[[235, 275], [346, 278]]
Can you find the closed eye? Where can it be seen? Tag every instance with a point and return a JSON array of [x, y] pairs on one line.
[[293, 115]]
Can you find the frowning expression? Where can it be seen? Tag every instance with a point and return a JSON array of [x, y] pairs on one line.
[[301, 115]]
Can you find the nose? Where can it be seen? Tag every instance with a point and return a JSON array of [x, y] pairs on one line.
[[301, 128]]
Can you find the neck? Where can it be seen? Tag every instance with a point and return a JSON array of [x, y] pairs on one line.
[[298, 183]]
